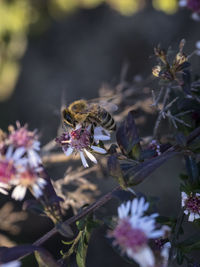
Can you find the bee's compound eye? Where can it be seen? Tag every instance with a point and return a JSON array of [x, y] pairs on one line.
[[67, 117]]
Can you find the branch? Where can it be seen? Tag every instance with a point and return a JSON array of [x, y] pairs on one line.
[[160, 116], [77, 217]]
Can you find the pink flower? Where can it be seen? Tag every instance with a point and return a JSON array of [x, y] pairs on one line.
[[27, 141], [82, 141], [20, 163], [191, 205], [7, 173], [9, 163], [134, 230], [27, 179]]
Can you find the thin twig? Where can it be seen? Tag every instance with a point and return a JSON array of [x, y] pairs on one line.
[[156, 100], [157, 124], [56, 158], [175, 236], [49, 146]]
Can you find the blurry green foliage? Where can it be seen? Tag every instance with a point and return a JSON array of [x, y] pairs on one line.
[[167, 6], [16, 16]]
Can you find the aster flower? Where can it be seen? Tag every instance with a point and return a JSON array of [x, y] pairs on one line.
[[134, 230], [7, 172], [191, 205], [26, 141], [165, 253], [82, 141], [28, 179], [8, 168], [19, 163]]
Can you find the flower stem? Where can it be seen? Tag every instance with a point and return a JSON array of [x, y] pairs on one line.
[[175, 236]]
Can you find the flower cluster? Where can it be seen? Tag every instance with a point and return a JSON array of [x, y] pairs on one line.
[[85, 141], [191, 205], [135, 230], [20, 163]]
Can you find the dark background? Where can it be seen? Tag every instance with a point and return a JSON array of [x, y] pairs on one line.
[[75, 55]]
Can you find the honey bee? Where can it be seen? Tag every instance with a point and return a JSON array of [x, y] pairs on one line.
[[84, 112]]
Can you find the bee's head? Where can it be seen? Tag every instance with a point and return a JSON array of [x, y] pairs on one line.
[[68, 118]]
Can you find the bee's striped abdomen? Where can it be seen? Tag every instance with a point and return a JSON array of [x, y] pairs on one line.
[[107, 121]]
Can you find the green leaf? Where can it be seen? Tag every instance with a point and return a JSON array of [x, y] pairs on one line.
[[67, 242], [84, 236], [82, 249], [81, 224]]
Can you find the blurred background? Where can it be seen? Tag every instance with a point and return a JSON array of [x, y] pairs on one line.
[[55, 49]]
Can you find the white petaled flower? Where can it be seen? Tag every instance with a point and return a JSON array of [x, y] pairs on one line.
[[11, 264], [27, 179], [83, 142], [191, 205], [9, 164], [101, 134], [26, 141], [134, 230], [165, 253]]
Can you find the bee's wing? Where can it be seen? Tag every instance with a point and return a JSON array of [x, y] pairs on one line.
[[107, 103], [109, 106]]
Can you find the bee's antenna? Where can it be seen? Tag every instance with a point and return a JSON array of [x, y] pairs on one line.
[[63, 100]]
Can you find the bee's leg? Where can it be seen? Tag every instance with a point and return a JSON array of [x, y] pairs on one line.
[[92, 128], [83, 128]]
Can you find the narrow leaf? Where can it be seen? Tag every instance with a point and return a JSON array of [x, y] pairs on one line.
[[127, 136], [45, 259], [134, 173], [82, 250]]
